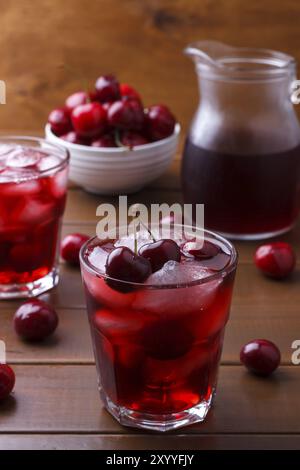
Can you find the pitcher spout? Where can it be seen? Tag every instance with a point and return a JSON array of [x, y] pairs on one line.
[[239, 62], [208, 53]]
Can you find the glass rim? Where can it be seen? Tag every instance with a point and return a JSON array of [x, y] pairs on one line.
[[232, 264], [248, 64], [19, 138]]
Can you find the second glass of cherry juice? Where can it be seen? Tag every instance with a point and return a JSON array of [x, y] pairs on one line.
[[33, 186], [158, 344]]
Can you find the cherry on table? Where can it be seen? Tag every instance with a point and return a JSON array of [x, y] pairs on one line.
[[275, 259], [132, 139], [160, 122], [107, 88], [159, 252], [126, 114], [35, 320], [71, 245], [89, 120], [59, 120], [7, 380], [124, 265], [260, 356]]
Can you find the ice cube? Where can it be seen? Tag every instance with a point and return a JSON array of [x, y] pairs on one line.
[[98, 258], [5, 150], [47, 162], [178, 299], [142, 237], [6, 175], [59, 183], [32, 211], [18, 188], [104, 294], [178, 273], [118, 325], [22, 157]]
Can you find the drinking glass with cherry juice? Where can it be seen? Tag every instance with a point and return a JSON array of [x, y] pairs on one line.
[[158, 342], [33, 182]]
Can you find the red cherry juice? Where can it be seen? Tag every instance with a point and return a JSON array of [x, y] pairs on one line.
[[158, 347], [243, 194], [32, 200]]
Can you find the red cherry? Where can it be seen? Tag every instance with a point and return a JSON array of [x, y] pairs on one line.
[[73, 138], [107, 88], [201, 251], [260, 356], [159, 252], [106, 140], [275, 259], [126, 114], [129, 92], [71, 245], [77, 99], [93, 96], [7, 380], [34, 320], [59, 120], [123, 264], [132, 139], [89, 120], [160, 122], [106, 106]]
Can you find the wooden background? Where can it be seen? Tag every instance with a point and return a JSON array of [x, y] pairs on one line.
[[139, 40], [142, 42]]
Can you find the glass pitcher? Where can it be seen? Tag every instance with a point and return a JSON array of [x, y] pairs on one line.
[[242, 154]]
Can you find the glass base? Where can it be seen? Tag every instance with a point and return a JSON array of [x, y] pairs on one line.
[[31, 289], [255, 236], [157, 422]]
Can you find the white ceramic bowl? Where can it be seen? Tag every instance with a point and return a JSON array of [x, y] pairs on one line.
[[118, 170]]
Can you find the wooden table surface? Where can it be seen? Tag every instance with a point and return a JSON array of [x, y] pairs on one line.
[[56, 403]]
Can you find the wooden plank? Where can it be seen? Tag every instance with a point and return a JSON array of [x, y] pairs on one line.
[[247, 249], [147, 442], [171, 178], [280, 325], [81, 206], [261, 308], [52, 399], [72, 344], [253, 288]]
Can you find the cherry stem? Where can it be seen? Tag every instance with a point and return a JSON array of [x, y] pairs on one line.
[[118, 140], [136, 206], [148, 230]]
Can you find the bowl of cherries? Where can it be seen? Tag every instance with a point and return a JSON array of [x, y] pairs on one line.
[[116, 144]]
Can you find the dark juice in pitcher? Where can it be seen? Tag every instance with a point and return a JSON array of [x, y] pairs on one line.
[[243, 194]]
